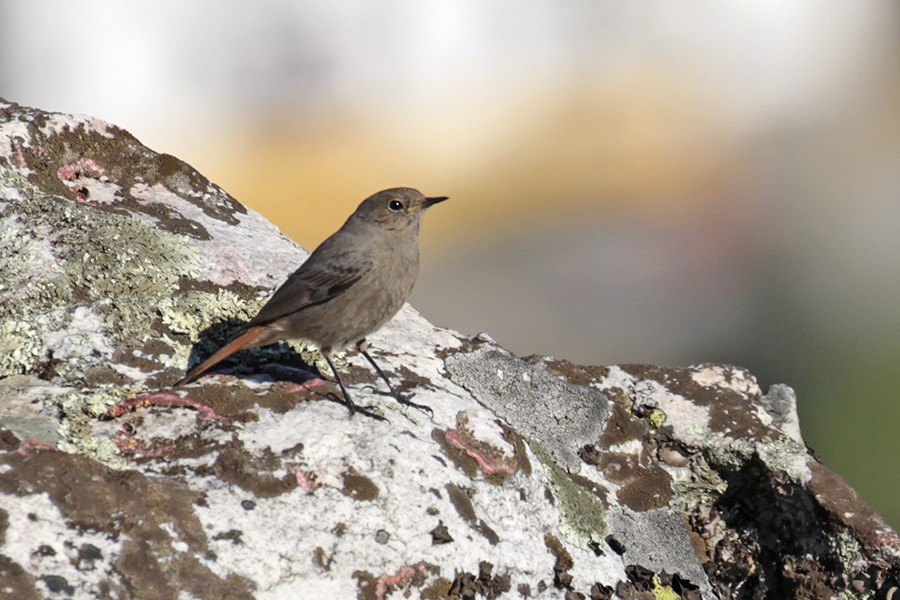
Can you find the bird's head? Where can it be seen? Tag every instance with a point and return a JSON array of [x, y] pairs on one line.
[[395, 209]]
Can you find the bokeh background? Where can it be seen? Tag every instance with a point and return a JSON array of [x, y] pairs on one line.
[[630, 181]]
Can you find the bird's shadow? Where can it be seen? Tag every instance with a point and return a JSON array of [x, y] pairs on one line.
[[278, 361]]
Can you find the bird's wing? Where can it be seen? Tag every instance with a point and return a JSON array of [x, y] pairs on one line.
[[316, 281]]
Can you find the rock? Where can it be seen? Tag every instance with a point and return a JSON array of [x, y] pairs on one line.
[[534, 478]]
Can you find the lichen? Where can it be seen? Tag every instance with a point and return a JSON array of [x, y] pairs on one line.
[[20, 348], [726, 452], [583, 517], [192, 312], [119, 265], [80, 408], [848, 551], [657, 418], [698, 485], [663, 592], [787, 455], [20, 248]]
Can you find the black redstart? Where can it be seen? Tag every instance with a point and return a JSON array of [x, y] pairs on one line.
[[350, 286]]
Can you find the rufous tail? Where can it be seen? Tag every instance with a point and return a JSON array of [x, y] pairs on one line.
[[248, 339]]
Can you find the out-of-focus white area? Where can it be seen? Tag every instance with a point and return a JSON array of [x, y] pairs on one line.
[[630, 181]]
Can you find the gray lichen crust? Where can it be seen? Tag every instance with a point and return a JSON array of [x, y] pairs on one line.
[[105, 273], [567, 416], [534, 478]]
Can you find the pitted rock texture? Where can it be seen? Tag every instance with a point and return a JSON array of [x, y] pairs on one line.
[[535, 478]]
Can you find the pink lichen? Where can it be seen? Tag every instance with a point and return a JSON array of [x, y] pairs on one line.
[[205, 412], [87, 167], [306, 480], [296, 388], [490, 460], [83, 167], [402, 578], [27, 447], [19, 159], [153, 450]]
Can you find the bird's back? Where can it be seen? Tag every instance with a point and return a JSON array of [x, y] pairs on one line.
[[341, 294]]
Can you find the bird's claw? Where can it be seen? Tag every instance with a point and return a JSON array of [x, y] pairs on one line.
[[354, 408], [406, 400], [402, 399]]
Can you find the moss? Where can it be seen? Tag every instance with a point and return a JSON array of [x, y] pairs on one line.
[[583, 518]]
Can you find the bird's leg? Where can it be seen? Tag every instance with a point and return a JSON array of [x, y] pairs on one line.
[[402, 399], [353, 408]]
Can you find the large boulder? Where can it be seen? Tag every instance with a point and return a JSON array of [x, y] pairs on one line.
[[534, 478]]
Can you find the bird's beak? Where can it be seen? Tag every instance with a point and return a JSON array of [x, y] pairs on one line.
[[429, 201]]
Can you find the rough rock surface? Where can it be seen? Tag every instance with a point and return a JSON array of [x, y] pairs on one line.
[[535, 478]]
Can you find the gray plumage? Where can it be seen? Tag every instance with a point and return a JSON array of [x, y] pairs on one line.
[[349, 287]]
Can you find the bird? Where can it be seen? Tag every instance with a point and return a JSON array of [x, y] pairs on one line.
[[350, 286]]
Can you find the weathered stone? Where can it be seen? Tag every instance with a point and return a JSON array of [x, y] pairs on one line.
[[535, 477]]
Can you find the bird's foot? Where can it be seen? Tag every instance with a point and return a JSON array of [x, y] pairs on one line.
[[406, 400], [354, 408], [403, 399]]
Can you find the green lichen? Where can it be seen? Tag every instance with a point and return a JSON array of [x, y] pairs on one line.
[[61, 263], [730, 453], [65, 256], [848, 551], [192, 312], [786, 455], [313, 357], [103, 450], [21, 350], [136, 265], [583, 517], [699, 485], [663, 592], [21, 249], [80, 409], [657, 418]]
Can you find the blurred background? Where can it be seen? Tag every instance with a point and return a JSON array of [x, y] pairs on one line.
[[652, 182]]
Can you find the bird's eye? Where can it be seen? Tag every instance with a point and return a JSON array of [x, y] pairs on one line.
[[395, 205]]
